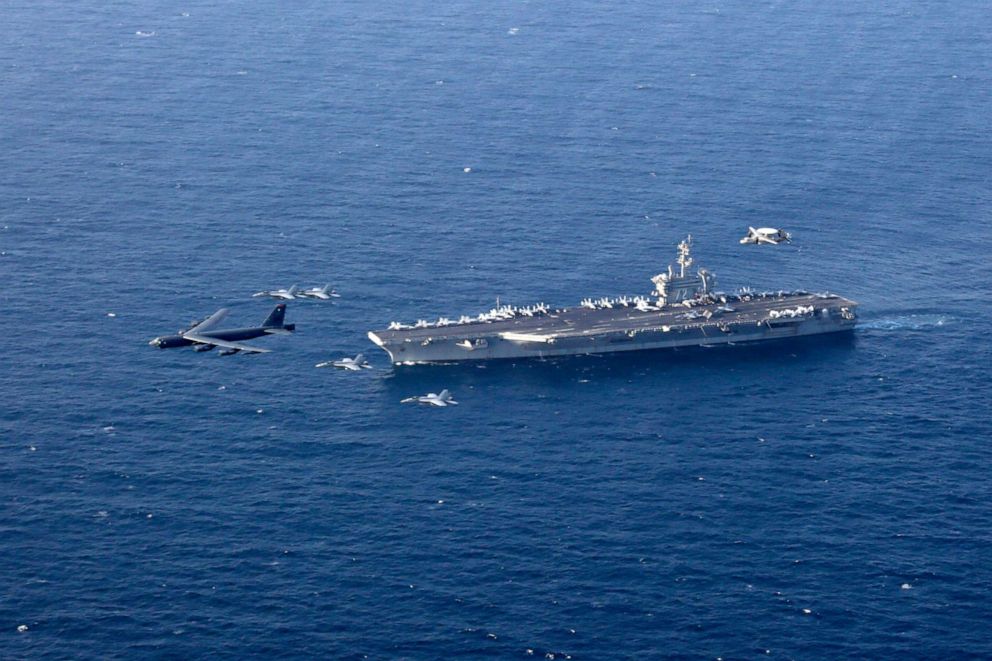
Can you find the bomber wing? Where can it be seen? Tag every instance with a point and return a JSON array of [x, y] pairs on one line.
[[206, 339], [210, 321]]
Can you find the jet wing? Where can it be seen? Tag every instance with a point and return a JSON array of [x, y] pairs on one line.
[[210, 321], [206, 339]]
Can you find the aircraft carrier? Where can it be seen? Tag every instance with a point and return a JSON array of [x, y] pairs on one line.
[[682, 311]]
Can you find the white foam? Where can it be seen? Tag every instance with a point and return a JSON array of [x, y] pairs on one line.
[[908, 322]]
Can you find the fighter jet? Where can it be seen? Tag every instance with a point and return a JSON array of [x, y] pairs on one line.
[[324, 293], [444, 399], [769, 235], [286, 294], [356, 364], [204, 336]]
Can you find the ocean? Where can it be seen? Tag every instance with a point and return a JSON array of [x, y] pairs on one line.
[[821, 499]]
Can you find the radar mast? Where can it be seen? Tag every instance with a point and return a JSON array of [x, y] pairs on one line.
[[671, 288]]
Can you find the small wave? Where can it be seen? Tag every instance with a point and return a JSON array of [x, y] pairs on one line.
[[908, 322]]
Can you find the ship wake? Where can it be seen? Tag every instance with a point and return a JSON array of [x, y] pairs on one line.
[[907, 322]]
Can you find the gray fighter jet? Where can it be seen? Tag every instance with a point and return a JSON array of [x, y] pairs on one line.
[[288, 294], [430, 399], [204, 336], [324, 293], [355, 364]]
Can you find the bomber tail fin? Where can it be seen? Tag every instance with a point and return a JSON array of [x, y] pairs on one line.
[[276, 317]]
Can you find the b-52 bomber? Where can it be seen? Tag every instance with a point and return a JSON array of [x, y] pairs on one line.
[[204, 335]]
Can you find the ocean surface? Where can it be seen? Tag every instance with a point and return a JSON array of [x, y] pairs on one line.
[[822, 499]]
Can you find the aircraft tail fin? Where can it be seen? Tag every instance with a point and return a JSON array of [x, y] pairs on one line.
[[445, 395], [360, 358], [276, 317], [292, 290]]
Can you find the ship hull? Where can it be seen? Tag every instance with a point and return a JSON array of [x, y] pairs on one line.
[[578, 331]]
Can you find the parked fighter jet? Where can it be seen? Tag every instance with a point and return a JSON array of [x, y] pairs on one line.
[[444, 399], [287, 294], [355, 364], [324, 293], [204, 336], [766, 235]]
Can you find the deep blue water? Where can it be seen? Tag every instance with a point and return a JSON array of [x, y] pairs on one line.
[[823, 499]]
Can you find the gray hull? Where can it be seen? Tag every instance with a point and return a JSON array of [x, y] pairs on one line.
[[578, 331]]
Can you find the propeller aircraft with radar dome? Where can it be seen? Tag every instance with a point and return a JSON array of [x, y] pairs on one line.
[[766, 235]]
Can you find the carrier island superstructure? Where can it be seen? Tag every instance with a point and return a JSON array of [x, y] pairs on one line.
[[682, 311]]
